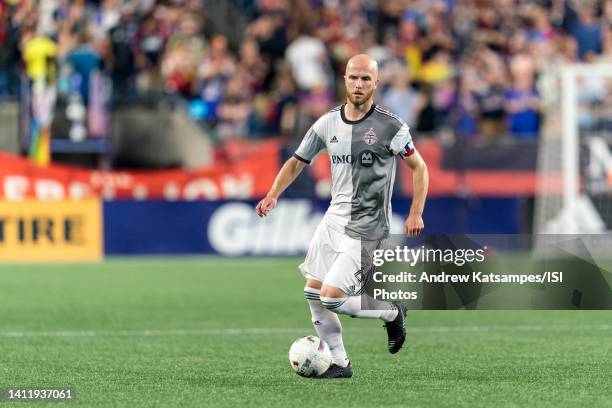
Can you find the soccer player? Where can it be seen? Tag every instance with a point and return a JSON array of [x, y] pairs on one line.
[[363, 142]]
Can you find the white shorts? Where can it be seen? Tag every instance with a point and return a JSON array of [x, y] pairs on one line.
[[334, 258]]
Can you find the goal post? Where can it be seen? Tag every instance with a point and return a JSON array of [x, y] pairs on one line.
[[574, 193]]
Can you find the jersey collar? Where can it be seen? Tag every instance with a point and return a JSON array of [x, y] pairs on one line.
[[354, 122]]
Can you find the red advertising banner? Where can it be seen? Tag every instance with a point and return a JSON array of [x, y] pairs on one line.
[[250, 176], [247, 171]]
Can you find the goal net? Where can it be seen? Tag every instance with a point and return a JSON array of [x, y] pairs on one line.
[[574, 189]]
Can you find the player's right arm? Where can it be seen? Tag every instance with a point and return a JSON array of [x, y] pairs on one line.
[[287, 174], [311, 145]]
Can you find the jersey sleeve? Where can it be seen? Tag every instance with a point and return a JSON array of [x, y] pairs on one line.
[[311, 145], [402, 142]]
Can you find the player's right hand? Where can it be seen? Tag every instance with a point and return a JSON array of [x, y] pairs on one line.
[[265, 206]]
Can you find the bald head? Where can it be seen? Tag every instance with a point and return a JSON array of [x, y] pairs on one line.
[[361, 79], [363, 62]]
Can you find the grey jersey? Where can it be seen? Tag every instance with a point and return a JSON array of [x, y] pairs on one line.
[[362, 155]]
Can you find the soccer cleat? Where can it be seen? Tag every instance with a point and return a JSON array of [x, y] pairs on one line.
[[396, 331], [335, 371]]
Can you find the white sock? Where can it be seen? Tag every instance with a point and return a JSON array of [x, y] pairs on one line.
[[327, 325], [351, 306]]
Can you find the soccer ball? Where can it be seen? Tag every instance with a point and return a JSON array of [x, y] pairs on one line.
[[309, 356]]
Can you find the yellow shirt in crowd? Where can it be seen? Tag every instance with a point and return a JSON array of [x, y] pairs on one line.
[[37, 53]]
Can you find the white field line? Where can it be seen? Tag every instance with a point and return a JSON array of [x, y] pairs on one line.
[[277, 330]]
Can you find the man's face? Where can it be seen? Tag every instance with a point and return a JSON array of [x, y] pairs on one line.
[[360, 81]]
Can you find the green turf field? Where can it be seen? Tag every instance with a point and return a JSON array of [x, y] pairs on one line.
[[215, 332]]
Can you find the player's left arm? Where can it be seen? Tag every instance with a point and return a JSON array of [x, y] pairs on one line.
[[420, 183]]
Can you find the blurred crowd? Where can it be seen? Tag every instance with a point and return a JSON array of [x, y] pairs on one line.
[[476, 69]]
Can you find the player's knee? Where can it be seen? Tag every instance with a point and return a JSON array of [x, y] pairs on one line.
[[332, 292], [313, 283], [312, 293], [332, 303]]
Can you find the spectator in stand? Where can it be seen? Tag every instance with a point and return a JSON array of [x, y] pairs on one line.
[[177, 70], [464, 112], [541, 28], [587, 32], [184, 53], [490, 32], [606, 56], [9, 51], [39, 54], [317, 100], [427, 119], [122, 63], [410, 41], [523, 100], [307, 56], [383, 53], [260, 119], [401, 98], [269, 30], [491, 99], [439, 30], [215, 68], [254, 66], [234, 108], [149, 43], [284, 94], [104, 19], [84, 60]]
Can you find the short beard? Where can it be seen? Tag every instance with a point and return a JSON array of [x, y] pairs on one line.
[[359, 102]]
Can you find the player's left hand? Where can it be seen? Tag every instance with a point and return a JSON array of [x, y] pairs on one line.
[[414, 225]]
